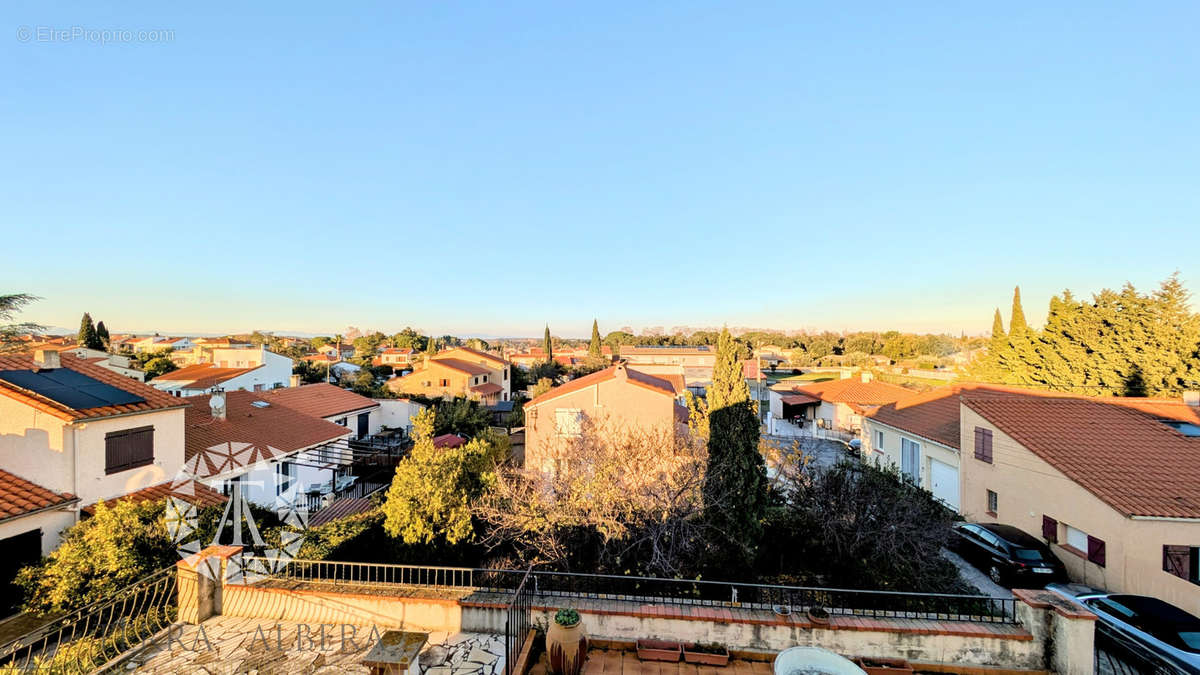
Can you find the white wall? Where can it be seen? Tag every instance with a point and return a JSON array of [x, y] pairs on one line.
[[51, 523], [397, 413]]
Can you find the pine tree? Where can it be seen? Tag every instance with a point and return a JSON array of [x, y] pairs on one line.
[[735, 487], [102, 332], [997, 328], [87, 334], [594, 350], [546, 346], [1017, 324]]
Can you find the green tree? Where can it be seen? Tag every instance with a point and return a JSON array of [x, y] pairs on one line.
[[1017, 323], [998, 333], [87, 333], [118, 545], [159, 365], [594, 348], [102, 332], [548, 347], [735, 483], [10, 333], [431, 494], [543, 385]]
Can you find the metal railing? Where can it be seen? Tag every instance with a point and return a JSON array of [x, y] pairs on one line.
[[330, 572], [518, 616], [91, 636], [652, 590]]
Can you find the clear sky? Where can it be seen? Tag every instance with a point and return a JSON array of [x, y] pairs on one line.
[[472, 167]]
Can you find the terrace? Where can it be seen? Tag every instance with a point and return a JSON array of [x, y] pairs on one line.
[[471, 615]]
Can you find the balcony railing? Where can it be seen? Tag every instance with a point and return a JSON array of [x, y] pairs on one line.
[[651, 590]]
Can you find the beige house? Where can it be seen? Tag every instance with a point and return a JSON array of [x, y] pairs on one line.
[[1113, 485], [619, 396], [74, 433], [833, 404], [460, 371]]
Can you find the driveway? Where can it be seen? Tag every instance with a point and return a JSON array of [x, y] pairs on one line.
[[825, 453], [976, 577]]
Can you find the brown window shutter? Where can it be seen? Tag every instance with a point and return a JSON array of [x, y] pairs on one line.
[[1177, 560], [1049, 528], [1095, 552], [978, 443]]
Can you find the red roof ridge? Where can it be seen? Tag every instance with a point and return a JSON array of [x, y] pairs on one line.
[[634, 377]]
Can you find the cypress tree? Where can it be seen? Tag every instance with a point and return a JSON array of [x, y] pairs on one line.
[[735, 484], [1017, 324], [594, 348], [997, 327], [103, 333], [546, 346], [87, 334]]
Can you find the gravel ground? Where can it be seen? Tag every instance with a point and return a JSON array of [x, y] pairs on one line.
[[976, 577]]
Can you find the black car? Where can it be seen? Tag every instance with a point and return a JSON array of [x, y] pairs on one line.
[[1011, 557]]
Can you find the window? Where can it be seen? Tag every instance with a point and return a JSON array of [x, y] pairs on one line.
[[128, 449], [983, 444], [879, 441], [258, 387], [285, 477], [475, 380], [568, 421], [1089, 547], [443, 382], [506, 374], [910, 459], [485, 378], [1049, 528], [1183, 562], [993, 502]]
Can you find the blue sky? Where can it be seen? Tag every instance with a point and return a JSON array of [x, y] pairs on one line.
[[469, 167]]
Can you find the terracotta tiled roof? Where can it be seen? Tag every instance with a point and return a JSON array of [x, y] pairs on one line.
[[1124, 455], [799, 399], [751, 370], [189, 491], [340, 508], [248, 434], [676, 380], [640, 379], [461, 366], [201, 376], [934, 414], [487, 388], [396, 350], [854, 391], [491, 357], [19, 496], [673, 351], [319, 400], [154, 399], [448, 441]]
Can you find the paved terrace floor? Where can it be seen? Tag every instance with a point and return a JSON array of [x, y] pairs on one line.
[[611, 662], [241, 645]]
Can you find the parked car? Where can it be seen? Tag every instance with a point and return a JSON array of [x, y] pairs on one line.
[[1159, 636], [1010, 556]]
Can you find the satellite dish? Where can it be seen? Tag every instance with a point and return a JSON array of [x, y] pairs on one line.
[[217, 402]]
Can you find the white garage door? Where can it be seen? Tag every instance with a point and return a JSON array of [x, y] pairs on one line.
[[944, 482]]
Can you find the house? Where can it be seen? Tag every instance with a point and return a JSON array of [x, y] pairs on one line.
[[343, 407], [833, 404], [619, 396], [118, 363], [338, 368], [272, 451], [338, 352], [71, 433], [568, 357], [919, 434], [395, 357], [254, 369], [1112, 484], [459, 371]]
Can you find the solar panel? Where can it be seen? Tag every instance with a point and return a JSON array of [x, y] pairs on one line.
[[70, 388]]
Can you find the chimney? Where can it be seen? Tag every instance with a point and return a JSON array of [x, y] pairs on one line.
[[294, 381], [47, 359], [620, 371], [866, 377], [1192, 398]]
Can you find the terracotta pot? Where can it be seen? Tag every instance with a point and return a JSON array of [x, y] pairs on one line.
[[818, 620], [566, 648], [659, 650]]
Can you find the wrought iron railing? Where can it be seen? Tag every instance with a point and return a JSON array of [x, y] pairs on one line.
[[518, 616], [330, 572], [679, 592], [91, 636]]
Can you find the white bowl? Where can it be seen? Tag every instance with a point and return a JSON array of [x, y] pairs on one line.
[[814, 661]]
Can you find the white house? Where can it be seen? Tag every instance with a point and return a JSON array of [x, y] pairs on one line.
[[834, 404], [343, 407], [253, 369], [73, 433], [270, 450], [117, 363]]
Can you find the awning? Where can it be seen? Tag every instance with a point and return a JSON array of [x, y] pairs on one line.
[[799, 399]]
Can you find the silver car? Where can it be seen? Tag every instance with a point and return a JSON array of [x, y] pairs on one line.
[[1160, 636]]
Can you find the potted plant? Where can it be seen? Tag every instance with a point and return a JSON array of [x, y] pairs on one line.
[[883, 666], [818, 615], [706, 654], [566, 643], [659, 650]]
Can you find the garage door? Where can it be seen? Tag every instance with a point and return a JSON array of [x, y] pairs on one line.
[[944, 482]]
